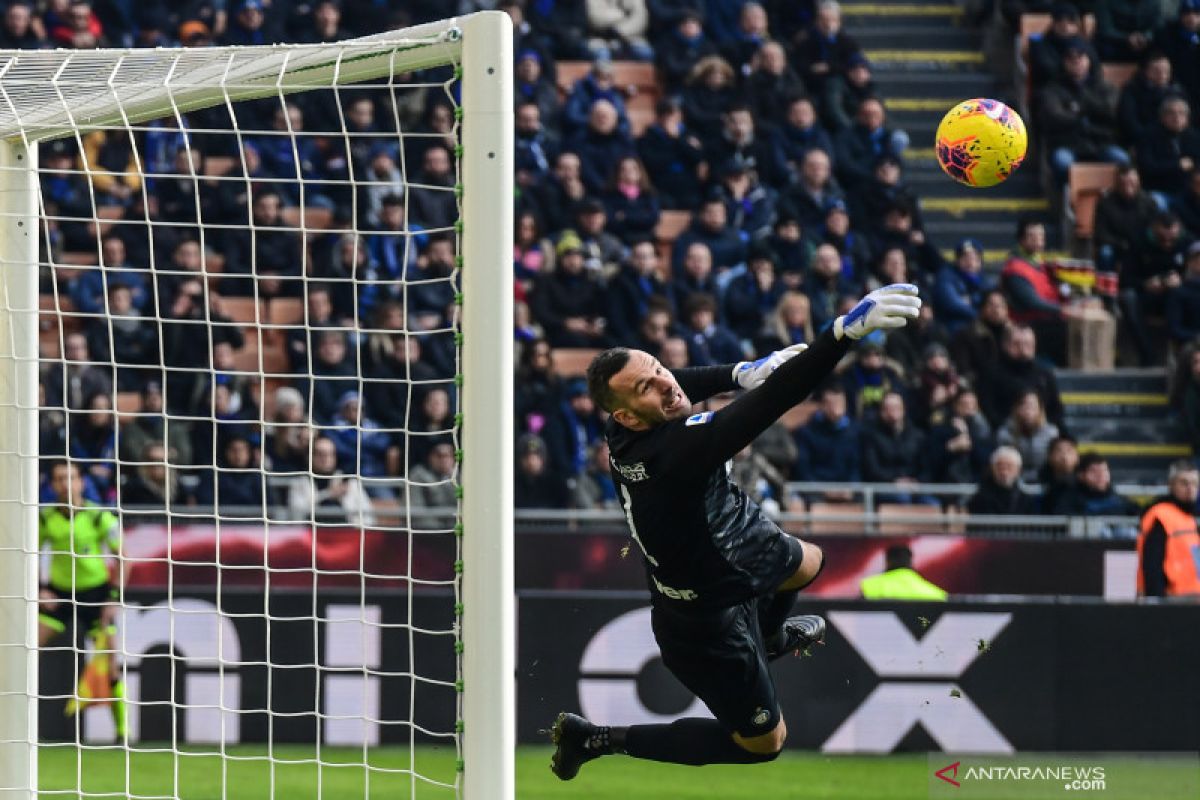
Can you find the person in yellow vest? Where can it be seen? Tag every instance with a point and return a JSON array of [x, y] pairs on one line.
[[899, 581], [1168, 544]]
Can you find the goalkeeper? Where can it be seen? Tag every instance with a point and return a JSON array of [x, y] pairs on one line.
[[723, 577], [80, 593]]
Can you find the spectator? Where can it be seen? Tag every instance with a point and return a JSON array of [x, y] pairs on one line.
[[326, 23], [235, 488], [813, 192], [1180, 40], [537, 387], [17, 32], [597, 85], [1187, 205], [559, 194], [711, 227], [869, 379], [153, 486], [681, 48], [741, 138], [894, 451], [711, 90], [959, 446], [959, 289], [1183, 301], [1143, 96], [771, 83], [1168, 541], [1125, 28], [124, 338], [432, 421], [363, 448], [569, 302], [601, 145], [845, 94], [937, 386], [906, 348], [618, 28], [571, 429], [92, 441], [112, 169], [269, 255], [654, 328], [333, 374], [827, 286], [709, 343], [433, 482], [1032, 290], [247, 27], [753, 295], [749, 205], [1093, 496], [853, 246], [758, 478], [535, 486], [536, 146], [791, 248], [151, 425], [631, 202], [78, 28], [882, 191], [1057, 475], [289, 434], [858, 148], [532, 85], [533, 254], [90, 289], [1016, 372], [1159, 260], [672, 155], [1029, 432], [1078, 115], [674, 353], [899, 581], [1047, 52], [431, 196], [327, 496], [78, 378], [632, 292], [799, 132], [1000, 492], [823, 49], [1122, 217], [697, 275], [1169, 150], [394, 368], [902, 229], [595, 487], [744, 45], [829, 445], [790, 323]]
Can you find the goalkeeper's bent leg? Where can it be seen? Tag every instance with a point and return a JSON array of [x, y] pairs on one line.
[[695, 741], [775, 612]]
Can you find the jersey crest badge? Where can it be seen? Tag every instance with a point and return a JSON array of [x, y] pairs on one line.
[[699, 419]]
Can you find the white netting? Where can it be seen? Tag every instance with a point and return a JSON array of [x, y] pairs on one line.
[[249, 350]]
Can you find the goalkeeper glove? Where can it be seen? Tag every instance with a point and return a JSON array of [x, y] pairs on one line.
[[890, 307], [750, 374]]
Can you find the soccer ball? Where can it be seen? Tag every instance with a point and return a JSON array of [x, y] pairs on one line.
[[980, 142]]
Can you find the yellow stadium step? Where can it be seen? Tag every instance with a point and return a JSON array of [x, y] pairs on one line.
[[1113, 399], [901, 10], [1137, 449], [944, 57], [961, 206], [937, 104]]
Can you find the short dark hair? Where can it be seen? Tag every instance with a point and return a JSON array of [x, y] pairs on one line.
[[1025, 223], [601, 371], [898, 556], [1087, 460]]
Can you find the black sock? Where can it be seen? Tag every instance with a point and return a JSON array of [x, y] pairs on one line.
[[692, 741], [772, 616]]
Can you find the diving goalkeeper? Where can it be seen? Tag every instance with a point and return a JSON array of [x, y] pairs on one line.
[[80, 594], [723, 577]]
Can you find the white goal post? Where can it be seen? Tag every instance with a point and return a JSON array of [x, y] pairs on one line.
[[59, 94]]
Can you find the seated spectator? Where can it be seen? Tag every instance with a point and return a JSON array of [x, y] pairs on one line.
[[674, 353], [1032, 290], [654, 328], [1078, 115], [1015, 372], [112, 169], [906, 346], [1047, 51], [672, 155], [327, 496], [78, 27], [595, 488], [1029, 432], [1179, 39], [93, 444], [1093, 496], [234, 488], [17, 31], [709, 343], [749, 205], [152, 487], [891, 267], [125, 338], [799, 132], [561, 192], [813, 193], [853, 246], [1169, 150], [333, 374], [601, 145], [246, 24], [431, 194], [618, 29], [977, 349], [744, 40], [894, 451], [326, 25], [858, 148], [363, 448], [829, 445], [90, 288], [959, 289], [697, 277], [151, 425], [602, 252], [432, 421], [597, 85], [711, 90], [1187, 205], [1183, 301], [823, 49], [902, 228], [680, 48], [571, 430], [537, 387], [741, 138], [937, 387], [633, 290], [631, 202], [1125, 29], [883, 190], [268, 255], [535, 485], [532, 85], [790, 323], [1168, 539], [570, 302], [771, 83], [1057, 475], [753, 295], [726, 244], [533, 254], [869, 378], [793, 250], [1143, 96], [289, 433], [845, 93], [959, 446], [1000, 491], [827, 286], [759, 479], [1158, 262], [432, 483], [1122, 216]]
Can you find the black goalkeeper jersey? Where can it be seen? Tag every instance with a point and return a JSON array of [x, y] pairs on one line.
[[704, 542]]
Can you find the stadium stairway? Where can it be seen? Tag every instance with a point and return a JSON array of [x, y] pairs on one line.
[[1124, 415], [924, 60]]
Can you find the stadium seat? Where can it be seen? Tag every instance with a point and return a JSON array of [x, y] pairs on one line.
[[570, 362], [569, 73], [245, 310], [1085, 184], [283, 312], [821, 527], [219, 165], [1118, 74], [315, 218], [671, 224], [900, 519], [274, 357], [796, 416]]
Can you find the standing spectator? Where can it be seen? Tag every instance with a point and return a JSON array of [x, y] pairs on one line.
[[860, 147], [597, 85], [681, 48], [673, 155], [1000, 491], [959, 288], [1125, 28], [1057, 475], [1032, 290], [753, 295], [1180, 40], [327, 496], [534, 485], [711, 89], [799, 132], [976, 349], [1142, 97], [432, 482], [1047, 52], [1169, 150], [711, 227], [829, 445], [569, 302], [1159, 262], [1168, 540], [601, 145], [771, 83], [709, 342], [894, 451], [1029, 432], [1183, 301], [633, 291], [1122, 217], [869, 379], [959, 447], [823, 49], [631, 202], [618, 28], [844, 94], [1015, 372], [1078, 115]]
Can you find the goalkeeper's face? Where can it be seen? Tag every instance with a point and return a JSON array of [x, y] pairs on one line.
[[647, 393]]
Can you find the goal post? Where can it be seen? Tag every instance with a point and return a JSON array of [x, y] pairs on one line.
[[63, 95]]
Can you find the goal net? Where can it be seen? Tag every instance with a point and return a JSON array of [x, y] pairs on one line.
[[255, 419]]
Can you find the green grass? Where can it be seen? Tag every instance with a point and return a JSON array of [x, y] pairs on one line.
[[245, 774]]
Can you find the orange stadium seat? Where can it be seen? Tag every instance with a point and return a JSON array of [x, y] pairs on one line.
[[898, 519], [1118, 74], [571, 362], [1086, 183], [245, 310], [819, 526]]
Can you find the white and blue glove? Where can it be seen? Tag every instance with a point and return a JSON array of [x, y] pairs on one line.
[[890, 307], [750, 374]]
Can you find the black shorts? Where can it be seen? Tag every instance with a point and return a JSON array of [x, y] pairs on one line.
[[79, 610]]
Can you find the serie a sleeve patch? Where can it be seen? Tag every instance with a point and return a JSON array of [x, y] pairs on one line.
[[699, 419]]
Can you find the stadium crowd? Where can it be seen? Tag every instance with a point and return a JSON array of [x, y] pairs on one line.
[[766, 127]]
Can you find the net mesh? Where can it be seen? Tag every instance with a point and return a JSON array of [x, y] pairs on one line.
[[249, 416]]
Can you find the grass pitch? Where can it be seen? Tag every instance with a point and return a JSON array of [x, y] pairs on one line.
[[245, 773]]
